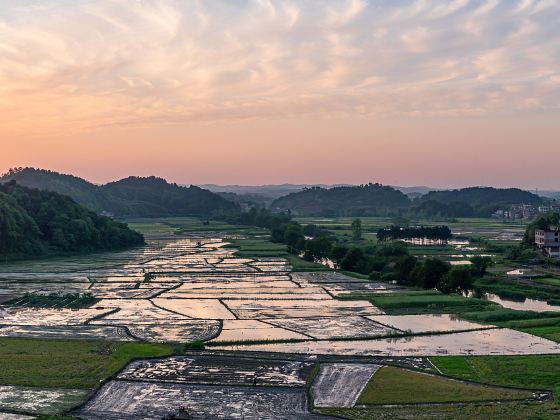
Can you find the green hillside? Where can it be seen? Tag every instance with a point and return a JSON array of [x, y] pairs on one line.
[[130, 197], [35, 222]]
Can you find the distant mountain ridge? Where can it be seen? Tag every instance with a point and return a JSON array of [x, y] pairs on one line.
[[280, 190], [129, 197]]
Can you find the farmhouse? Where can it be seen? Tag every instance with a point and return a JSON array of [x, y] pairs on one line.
[[548, 241]]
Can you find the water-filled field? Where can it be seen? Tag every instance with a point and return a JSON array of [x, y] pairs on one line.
[[182, 289], [263, 325]]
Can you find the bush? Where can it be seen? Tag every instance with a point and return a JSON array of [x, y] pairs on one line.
[[375, 275], [195, 345]]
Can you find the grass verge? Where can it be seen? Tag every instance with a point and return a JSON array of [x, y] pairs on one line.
[[507, 411], [391, 385], [421, 302], [531, 372]]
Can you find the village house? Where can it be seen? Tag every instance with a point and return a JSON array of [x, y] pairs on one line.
[[548, 241]]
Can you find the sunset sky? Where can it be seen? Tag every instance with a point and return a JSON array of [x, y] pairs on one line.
[[403, 92]]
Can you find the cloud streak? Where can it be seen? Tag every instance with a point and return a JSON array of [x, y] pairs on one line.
[[104, 63]]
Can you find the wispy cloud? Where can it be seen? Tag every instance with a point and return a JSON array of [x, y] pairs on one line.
[[168, 61]]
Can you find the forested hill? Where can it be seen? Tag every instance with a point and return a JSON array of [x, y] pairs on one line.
[[363, 200], [474, 201], [130, 197], [155, 197], [80, 190], [35, 222]]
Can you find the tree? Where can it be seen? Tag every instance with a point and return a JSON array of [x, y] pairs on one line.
[[480, 265], [457, 280], [353, 260], [429, 274], [404, 268], [293, 237], [338, 252], [357, 229], [318, 249]]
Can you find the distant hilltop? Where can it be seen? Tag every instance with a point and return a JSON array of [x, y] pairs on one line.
[[129, 197], [379, 200], [155, 197], [279, 190]]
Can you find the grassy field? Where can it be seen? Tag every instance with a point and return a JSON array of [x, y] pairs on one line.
[[506, 317], [509, 411], [262, 247], [548, 332], [422, 302], [392, 385], [258, 247], [550, 281], [68, 363], [531, 372], [180, 225]]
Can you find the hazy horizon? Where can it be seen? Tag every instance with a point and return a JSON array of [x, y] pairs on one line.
[[291, 184], [404, 92]]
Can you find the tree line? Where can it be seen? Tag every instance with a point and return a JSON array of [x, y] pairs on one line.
[[387, 261], [433, 233]]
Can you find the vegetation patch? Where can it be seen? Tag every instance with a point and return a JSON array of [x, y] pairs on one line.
[[421, 302], [531, 372], [513, 410], [55, 300], [257, 247], [68, 364], [391, 385], [502, 316]]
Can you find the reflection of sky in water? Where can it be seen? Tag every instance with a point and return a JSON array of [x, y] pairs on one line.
[[488, 342], [424, 323], [526, 305]]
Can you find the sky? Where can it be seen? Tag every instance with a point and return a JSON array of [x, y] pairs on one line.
[[402, 92]]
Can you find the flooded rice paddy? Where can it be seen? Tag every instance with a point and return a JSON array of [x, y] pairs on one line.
[[219, 370], [151, 400], [185, 289], [474, 343], [194, 288], [340, 384], [524, 305]]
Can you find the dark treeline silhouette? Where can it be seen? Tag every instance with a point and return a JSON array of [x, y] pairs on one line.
[[433, 233], [129, 197], [36, 223], [386, 261], [362, 200], [471, 202], [379, 200]]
